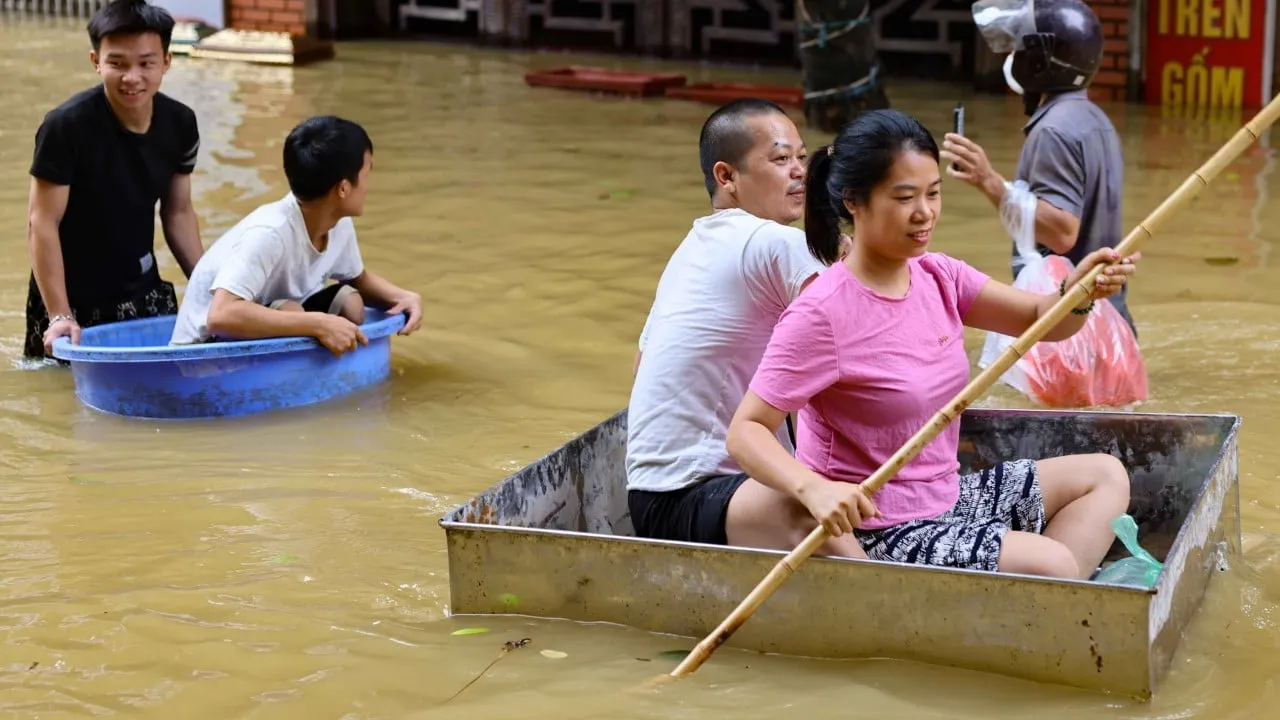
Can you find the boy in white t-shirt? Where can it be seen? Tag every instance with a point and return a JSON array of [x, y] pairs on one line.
[[266, 277]]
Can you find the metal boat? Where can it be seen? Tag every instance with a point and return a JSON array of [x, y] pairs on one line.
[[555, 540]]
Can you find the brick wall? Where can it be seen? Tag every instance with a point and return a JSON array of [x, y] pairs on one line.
[[275, 15], [1111, 82]]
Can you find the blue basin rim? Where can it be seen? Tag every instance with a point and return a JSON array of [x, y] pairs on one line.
[[63, 348]]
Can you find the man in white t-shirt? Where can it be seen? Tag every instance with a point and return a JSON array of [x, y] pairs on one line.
[[266, 277], [716, 304]]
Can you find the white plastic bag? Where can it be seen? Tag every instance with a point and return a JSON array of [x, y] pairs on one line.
[[1018, 215]]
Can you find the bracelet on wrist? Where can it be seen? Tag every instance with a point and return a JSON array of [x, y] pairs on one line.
[[1062, 292], [60, 317]]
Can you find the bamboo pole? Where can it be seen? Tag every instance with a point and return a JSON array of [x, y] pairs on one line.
[[976, 387]]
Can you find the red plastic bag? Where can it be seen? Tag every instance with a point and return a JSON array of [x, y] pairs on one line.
[[1101, 365]]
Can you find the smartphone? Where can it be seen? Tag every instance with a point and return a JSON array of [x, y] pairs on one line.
[[958, 124]]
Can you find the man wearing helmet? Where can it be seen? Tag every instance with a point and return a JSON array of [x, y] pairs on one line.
[[1071, 163]]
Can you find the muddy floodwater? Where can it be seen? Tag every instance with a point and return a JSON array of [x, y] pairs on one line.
[[290, 565]]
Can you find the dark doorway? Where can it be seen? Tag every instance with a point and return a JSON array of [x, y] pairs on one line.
[[344, 19]]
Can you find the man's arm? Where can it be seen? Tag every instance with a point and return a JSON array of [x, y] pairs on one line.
[[379, 290], [180, 224], [1056, 228], [53, 166], [239, 285], [391, 298], [231, 316], [45, 206], [1056, 180]]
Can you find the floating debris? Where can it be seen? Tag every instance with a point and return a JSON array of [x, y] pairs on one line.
[[1141, 569], [507, 647]]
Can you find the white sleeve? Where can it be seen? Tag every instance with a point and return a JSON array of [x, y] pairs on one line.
[[349, 264], [644, 332], [245, 273], [776, 262]]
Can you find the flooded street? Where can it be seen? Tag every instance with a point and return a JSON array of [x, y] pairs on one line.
[[290, 565]]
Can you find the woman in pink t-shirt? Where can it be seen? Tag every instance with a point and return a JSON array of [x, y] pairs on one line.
[[875, 346]]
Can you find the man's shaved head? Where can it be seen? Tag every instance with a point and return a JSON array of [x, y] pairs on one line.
[[727, 137]]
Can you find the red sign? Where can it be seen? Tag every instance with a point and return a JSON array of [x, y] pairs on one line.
[[1209, 53]]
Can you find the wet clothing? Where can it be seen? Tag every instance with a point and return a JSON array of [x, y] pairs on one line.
[[1072, 160], [116, 177]]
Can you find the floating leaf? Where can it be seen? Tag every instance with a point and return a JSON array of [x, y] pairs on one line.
[[674, 654], [284, 558], [1233, 176], [470, 631], [1222, 260], [553, 654], [509, 600]]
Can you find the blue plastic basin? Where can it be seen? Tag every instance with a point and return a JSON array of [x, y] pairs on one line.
[[128, 368]]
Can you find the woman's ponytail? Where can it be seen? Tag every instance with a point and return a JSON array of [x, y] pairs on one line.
[[821, 224]]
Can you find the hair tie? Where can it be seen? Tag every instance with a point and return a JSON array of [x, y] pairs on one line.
[[831, 150]]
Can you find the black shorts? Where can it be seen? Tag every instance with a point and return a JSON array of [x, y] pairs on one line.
[[151, 297], [328, 300], [693, 514]]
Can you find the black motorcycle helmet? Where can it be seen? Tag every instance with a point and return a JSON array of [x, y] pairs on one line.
[[1065, 51], [1054, 45]]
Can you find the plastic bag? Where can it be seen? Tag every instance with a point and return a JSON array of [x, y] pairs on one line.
[[1141, 570], [1101, 365]]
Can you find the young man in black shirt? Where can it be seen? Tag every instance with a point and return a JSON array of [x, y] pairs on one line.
[[103, 159]]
